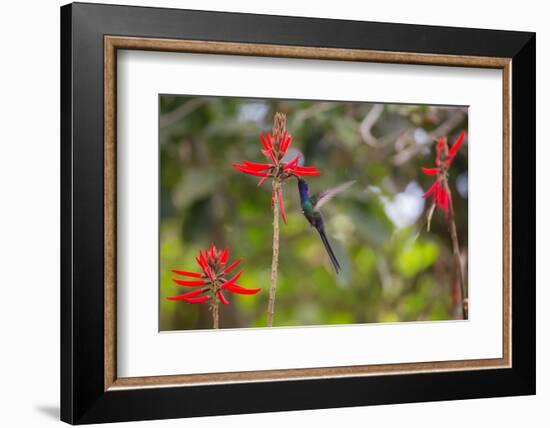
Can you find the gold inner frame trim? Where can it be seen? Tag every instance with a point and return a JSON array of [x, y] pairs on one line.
[[113, 43]]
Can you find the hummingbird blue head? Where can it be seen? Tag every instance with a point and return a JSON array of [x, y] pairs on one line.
[[303, 189]]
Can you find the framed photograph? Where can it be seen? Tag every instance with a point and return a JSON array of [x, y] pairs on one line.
[[266, 213]]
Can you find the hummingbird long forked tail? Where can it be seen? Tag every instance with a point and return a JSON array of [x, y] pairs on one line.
[[333, 258]]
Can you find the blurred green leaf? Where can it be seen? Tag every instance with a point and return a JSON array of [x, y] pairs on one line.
[[415, 257]]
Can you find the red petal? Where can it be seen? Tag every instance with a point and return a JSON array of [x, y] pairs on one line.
[[199, 260], [293, 162], [234, 288], [269, 153], [186, 273], [262, 181], [222, 297], [266, 145], [457, 144], [269, 140], [307, 173], [287, 139], [195, 300], [437, 196], [442, 198], [230, 267], [257, 166], [194, 283], [282, 206], [250, 171], [439, 144], [232, 280], [223, 257], [209, 273], [282, 145], [187, 295], [203, 261], [304, 168], [430, 171], [454, 149], [432, 189]]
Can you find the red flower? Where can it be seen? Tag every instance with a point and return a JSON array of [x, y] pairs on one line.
[[441, 196], [274, 150], [444, 157], [213, 279]]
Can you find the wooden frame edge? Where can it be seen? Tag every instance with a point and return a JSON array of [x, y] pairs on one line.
[[507, 213], [301, 52], [112, 43], [299, 374], [109, 198]]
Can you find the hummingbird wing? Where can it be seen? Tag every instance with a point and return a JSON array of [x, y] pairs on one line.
[[323, 197]]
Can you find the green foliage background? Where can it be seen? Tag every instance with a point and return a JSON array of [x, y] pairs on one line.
[[393, 268]]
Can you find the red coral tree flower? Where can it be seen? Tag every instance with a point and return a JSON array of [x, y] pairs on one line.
[[441, 197], [275, 149], [444, 157], [212, 281]]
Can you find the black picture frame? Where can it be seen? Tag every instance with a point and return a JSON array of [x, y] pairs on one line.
[[83, 396]]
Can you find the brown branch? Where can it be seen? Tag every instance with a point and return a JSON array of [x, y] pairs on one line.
[[457, 260]]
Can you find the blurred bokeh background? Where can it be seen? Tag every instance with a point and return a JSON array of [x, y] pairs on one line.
[[394, 270]]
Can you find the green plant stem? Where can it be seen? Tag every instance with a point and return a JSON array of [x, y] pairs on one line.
[[214, 307], [275, 259]]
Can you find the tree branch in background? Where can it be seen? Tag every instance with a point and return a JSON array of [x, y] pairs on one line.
[[414, 149], [180, 112], [368, 122]]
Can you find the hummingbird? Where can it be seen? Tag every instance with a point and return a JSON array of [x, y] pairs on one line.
[[310, 208]]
